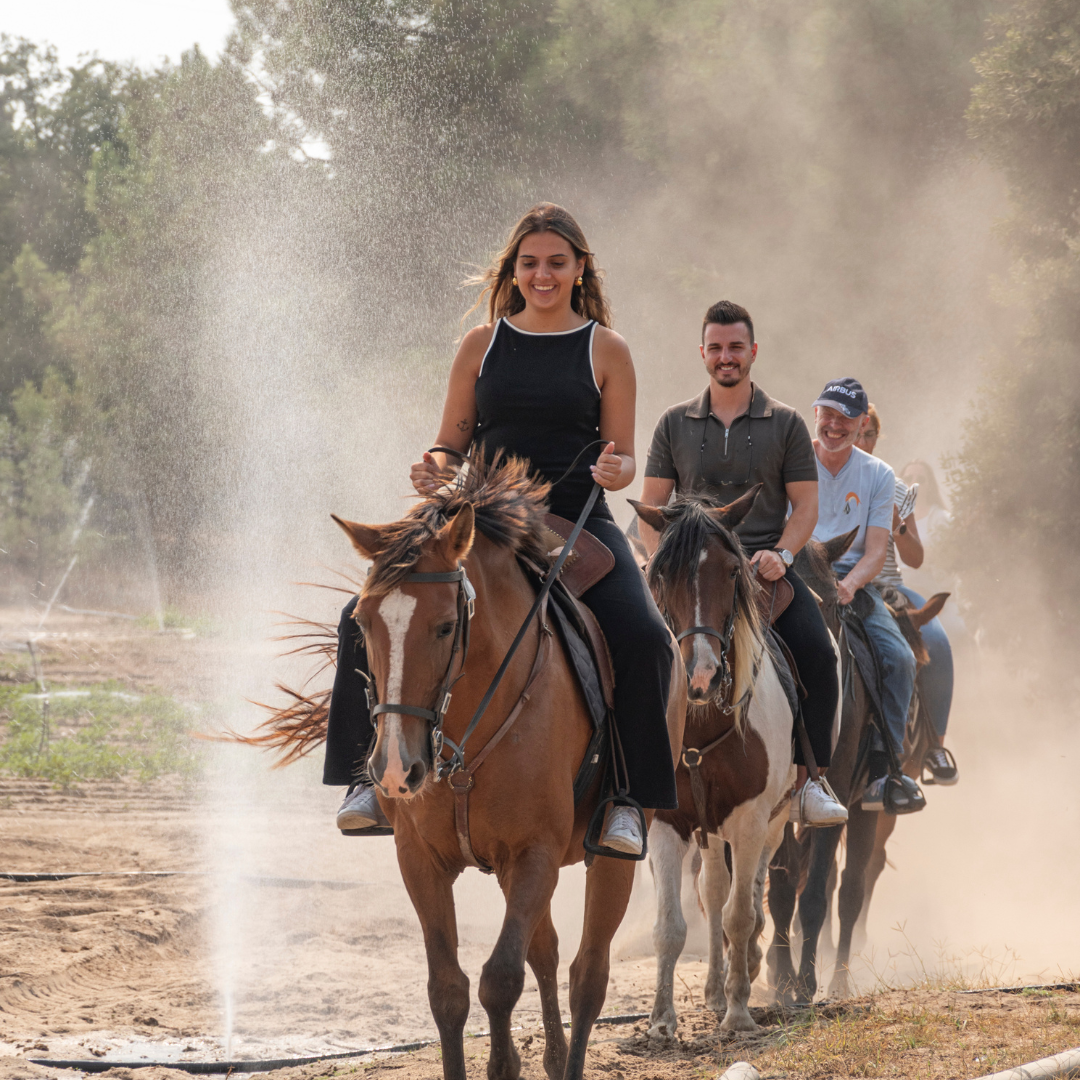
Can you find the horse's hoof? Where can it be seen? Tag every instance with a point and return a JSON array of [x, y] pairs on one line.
[[738, 1020], [717, 1003], [784, 998], [663, 1030], [840, 987]]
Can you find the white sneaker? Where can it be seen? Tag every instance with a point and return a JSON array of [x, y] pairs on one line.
[[360, 810], [816, 806], [623, 832]]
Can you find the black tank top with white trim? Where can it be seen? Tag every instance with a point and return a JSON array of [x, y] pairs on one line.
[[537, 398]]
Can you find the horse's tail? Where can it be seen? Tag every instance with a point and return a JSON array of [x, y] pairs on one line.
[[293, 730]]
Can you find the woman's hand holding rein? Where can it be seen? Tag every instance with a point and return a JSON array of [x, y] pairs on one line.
[[609, 467], [424, 474]]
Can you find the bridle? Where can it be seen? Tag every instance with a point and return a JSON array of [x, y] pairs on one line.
[[725, 646], [466, 609]]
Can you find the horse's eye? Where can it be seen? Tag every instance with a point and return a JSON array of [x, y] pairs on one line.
[[734, 572], [445, 630]]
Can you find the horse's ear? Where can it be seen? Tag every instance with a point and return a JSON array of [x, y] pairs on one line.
[[367, 539], [456, 536], [836, 547], [930, 610], [653, 516], [729, 516]]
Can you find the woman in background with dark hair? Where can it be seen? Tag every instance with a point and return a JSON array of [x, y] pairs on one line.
[[542, 379], [934, 682]]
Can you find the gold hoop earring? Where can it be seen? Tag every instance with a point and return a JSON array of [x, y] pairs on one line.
[[579, 281], [515, 283]]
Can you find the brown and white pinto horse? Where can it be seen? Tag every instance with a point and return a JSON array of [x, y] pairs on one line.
[[522, 821], [740, 721]]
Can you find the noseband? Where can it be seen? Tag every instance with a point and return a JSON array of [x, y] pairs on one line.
[[466, 609], [725, 644]]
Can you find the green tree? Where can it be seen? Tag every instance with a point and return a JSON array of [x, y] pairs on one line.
[[52, 123], [47, 450], [1017, 479]]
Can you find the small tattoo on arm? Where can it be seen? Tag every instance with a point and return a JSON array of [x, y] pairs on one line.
[[463, 425]]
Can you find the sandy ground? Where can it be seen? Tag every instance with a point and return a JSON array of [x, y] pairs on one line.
[[277, 937]]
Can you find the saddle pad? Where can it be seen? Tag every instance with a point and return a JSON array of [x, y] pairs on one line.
[[784, 663], [569, 618], [590, 560], [785, 593]]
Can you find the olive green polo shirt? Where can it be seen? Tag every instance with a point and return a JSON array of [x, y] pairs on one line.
[[769, 444]]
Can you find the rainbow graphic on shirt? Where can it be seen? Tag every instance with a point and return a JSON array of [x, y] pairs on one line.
[[847, 501]]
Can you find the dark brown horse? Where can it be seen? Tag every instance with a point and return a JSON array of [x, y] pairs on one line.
[[521, 817], [816, 853]]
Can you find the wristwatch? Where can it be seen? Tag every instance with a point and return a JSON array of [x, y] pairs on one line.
[[785, 556]]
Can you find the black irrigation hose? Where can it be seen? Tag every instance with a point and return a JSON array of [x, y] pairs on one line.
[[281, 882], [203, 1068]]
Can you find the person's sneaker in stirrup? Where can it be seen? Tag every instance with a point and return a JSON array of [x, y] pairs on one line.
[[361, 809], [623, 832], [874, 795], [816, 807], [942, 768]]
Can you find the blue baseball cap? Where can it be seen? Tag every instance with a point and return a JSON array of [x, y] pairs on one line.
[[846, 396]]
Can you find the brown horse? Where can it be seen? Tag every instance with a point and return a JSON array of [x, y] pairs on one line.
[[814, 564], [521, 818]]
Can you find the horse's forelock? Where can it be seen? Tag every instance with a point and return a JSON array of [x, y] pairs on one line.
[[675, 563], [508, 503]]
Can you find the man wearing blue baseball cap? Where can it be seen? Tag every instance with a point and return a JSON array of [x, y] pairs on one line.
[[855, 490]]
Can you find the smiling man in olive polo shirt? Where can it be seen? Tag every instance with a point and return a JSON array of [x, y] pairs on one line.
[[720, 444]]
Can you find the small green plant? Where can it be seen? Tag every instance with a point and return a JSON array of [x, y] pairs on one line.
[[102, 733]]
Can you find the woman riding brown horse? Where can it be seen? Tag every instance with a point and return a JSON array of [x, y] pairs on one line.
[[529, 392], [543, 381]]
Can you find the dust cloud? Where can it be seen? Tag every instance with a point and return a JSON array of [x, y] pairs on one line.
[[323, 377]]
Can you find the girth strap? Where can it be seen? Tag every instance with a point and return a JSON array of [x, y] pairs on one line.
[[461, 780]]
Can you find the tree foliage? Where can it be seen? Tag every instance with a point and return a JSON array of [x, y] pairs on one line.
[[1017, 479]]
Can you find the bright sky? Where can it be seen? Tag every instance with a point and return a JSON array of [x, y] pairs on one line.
[[141, 30]]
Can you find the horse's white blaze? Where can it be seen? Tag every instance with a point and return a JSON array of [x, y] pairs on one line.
[[396, 611], [703, 659]]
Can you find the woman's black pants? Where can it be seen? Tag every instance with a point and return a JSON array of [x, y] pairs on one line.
[[804, 632], [640, 646]]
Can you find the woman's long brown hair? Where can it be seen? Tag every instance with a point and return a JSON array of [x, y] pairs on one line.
[[503, 296]]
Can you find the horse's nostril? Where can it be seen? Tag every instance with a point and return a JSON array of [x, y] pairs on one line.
[[416, 775]]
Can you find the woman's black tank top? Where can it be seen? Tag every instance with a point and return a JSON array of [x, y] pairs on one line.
[[537, 398]]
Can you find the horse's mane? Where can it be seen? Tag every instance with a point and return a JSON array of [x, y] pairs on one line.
[[675, 563], [509, 505]]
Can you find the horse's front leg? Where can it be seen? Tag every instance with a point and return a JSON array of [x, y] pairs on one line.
[[714, 890], [861, 831], [608, 884], [740, 919], [773, 840], [783, 892], [813, 904], [431, 890], [878, 860], [544, 960], [527, 882], [667, 851]]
